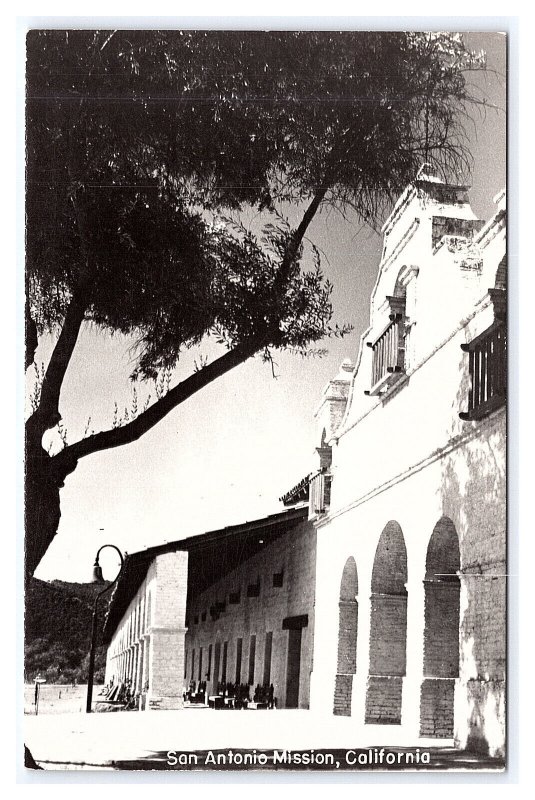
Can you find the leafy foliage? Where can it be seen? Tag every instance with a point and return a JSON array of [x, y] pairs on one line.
[[137, 144], [134, 136], [58, 631]]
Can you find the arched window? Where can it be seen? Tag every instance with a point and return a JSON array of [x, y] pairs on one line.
[[441, 633], [347, 639], [388, 628]]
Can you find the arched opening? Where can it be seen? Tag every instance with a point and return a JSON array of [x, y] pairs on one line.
[[347, 639], [388, 629], [441, 633]]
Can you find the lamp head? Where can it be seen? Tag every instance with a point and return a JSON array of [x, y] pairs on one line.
[[97, 573]]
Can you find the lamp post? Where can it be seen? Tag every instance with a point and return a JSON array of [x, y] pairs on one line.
[[38, 682], [97, 578]]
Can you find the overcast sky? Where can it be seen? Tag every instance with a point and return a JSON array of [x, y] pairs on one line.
[[228, 453]]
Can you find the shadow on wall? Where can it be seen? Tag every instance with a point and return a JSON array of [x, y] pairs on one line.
[[486, 726], [473, 496]]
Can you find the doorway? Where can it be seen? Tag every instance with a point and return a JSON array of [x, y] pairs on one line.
[[217, 656], [293, 668]]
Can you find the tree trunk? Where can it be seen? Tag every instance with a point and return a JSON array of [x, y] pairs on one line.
[[41, 499], [42, 515], [45, 475]]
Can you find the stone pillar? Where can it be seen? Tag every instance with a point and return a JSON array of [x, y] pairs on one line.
[[360, 680], [145, 662], [410, 715], [167, 631], [110, 666], [135, 675], [139, 667]]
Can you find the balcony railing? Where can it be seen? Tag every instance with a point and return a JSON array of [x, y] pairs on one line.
[[388, 363], [320, 492], [488, 372]]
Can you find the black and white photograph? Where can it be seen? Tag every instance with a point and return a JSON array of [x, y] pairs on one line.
[[265, 342]]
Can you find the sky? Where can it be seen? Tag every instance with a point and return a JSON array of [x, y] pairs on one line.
[[227, 454]]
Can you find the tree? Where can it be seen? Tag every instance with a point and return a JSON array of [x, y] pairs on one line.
[[139, 142]]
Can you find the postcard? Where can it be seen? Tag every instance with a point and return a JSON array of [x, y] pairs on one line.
[[266, 381]]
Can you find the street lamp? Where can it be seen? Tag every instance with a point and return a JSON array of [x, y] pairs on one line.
[[38, 682], [97, 578]]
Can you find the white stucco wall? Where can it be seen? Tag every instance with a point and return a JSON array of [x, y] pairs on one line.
[[408, 457]]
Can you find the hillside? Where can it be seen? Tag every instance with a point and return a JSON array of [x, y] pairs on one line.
[[58, 631]]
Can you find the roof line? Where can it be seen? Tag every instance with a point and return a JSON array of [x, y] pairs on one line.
[[136, 564], [201, 539]]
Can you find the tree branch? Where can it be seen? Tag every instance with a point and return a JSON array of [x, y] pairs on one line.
[[67, 459], [299, 233], [48, 410]]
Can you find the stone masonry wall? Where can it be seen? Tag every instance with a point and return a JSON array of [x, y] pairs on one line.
[[383, 700], [436, 708], [441, 637], [147, 648], [168, 631], [388, 635]]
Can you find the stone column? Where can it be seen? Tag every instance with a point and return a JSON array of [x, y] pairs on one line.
[[410, 715], [167, 631], [145, 661], [139, 667]]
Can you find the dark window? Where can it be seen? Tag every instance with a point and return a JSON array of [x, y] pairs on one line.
[[278, 579], [203, 616], [193, 665], [200, 663], [253, 590]]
